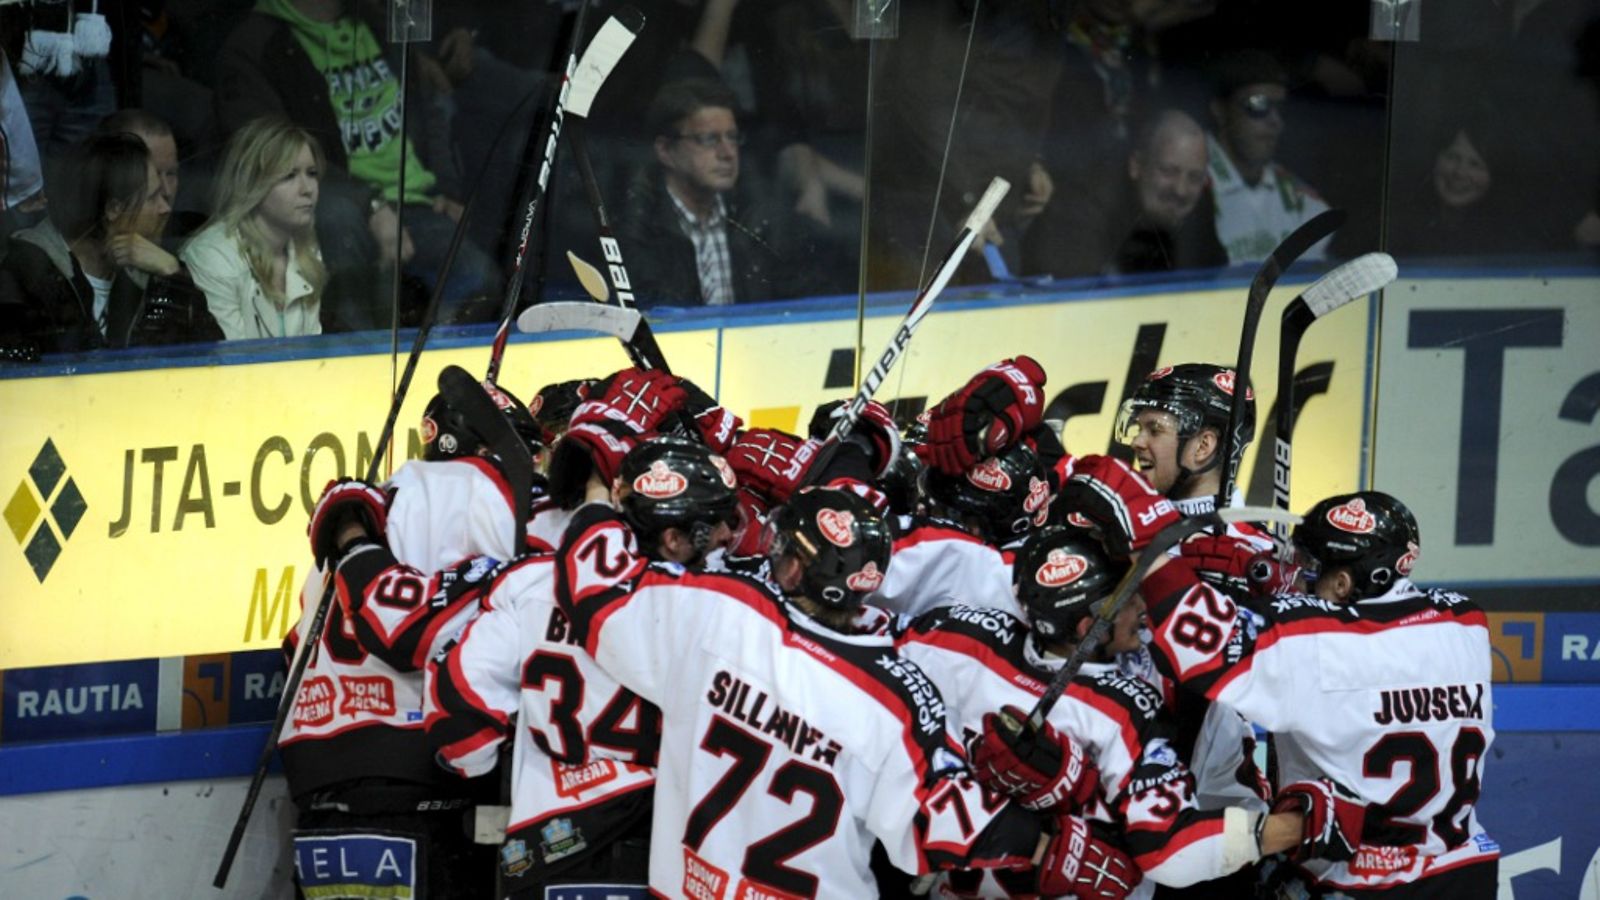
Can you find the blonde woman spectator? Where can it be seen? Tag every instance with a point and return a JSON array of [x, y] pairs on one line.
[[257, 259]]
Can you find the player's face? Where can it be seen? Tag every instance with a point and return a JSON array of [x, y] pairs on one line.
[[1125, 627], [1155, 447], [1460, 174], [704, 155], [1251, 122], [1170, 178], [291, 204]]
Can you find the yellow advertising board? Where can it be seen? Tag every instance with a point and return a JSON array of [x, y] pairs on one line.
[[161, 512]]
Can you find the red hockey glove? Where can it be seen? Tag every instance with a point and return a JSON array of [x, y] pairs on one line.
[[634, 398], [711, 424], [770, 462], [588, 448], [1119, 501], [1333, 819], [342, 500], [1047, 771], [1270, 576], [990, 413], [1220, 559], [875, 426], [1078, 864]]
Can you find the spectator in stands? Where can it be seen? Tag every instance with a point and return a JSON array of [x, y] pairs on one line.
[[321, 64], [92, 275], [163, 146], [22, 199], [257, 259], [1259, 202], [690, 234], [1160, 219]]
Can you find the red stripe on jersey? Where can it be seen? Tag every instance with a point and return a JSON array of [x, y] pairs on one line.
[[457, 749], [927, 533], [444, 617], [1209, 827], [972, 647], [1429, 870], [463, 688], [492, 472], [1118, 714]]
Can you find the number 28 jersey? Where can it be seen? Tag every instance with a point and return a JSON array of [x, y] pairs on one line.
[[1389, 696], [786, 748]]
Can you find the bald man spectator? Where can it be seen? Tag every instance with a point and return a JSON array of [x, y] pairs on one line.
[[1259, 202], [1160, 219]]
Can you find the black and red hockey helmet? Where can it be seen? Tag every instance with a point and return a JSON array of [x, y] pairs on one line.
[[1059, 575], [1005, 495], [672, 482], [1198, 396], [1370, 534], [840, 541], [554, 404], [446, 433]]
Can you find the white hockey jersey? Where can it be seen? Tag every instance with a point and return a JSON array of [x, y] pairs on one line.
[[786, 747], [585, 748], [937, 564], [444, 512], [1390, 697], [982, 660]]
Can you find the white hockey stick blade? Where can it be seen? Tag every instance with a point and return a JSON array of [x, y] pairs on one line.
[[594, 283], [596, 318], [1259, 514], [600, 57], [988, 203], [1353, 280]]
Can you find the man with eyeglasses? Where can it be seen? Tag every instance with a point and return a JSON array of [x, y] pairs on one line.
[[693, 235], [1259, 202]]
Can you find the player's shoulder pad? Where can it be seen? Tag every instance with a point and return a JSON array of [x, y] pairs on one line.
[[1451, 600], [473, 574], [1158, 764], [1299, 607], [903, 687], [1111, 690], [993, 627]]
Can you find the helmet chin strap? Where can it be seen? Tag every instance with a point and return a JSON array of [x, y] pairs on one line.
[[1186, 474]]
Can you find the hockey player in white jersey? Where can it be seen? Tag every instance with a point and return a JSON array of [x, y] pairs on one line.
[[1367, 680], [1109, 753], [793, 734], [585, 747]]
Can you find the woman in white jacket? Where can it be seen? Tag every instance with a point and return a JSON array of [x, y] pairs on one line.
[[257, 259]]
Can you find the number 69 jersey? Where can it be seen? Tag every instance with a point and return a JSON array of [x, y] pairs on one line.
[[786, 747], [1389, 696], [585, 747]]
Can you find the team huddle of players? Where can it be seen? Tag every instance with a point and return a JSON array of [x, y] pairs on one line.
[[730, 663]]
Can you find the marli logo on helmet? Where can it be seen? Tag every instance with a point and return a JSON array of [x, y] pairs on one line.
[[660, 483], [1159, 374], [430, 429], [1061, 568], [1079, 520], [868, 579], [536, 405], [838, 526], [1404, 564], [725, 470], [1224, 380], [1353, 517], [1038, 501], [989, 476]]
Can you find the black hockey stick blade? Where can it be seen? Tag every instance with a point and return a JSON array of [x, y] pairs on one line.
[[1159, 546], [492, 424], [1345, 284], [1283, 256]]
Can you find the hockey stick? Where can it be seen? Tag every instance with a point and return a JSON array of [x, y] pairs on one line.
[[1167, 538], [480, 405], [920, 305], [536, 190], [1349, 282], [626, 325], [1283, 256], [625, 25]]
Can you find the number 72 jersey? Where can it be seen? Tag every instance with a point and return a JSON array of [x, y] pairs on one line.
[[1389, 696]]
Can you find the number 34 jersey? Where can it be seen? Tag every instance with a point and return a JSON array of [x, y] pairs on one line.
[[1389, 696], [785, 747]]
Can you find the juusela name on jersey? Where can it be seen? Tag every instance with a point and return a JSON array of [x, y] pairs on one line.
[[1431, 704], [753, 707]]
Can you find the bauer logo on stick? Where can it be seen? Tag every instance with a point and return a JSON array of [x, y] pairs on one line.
[[1061, 569], [1353, 517], [838, 526], [989, 476], [868, 579], [660, 482]]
